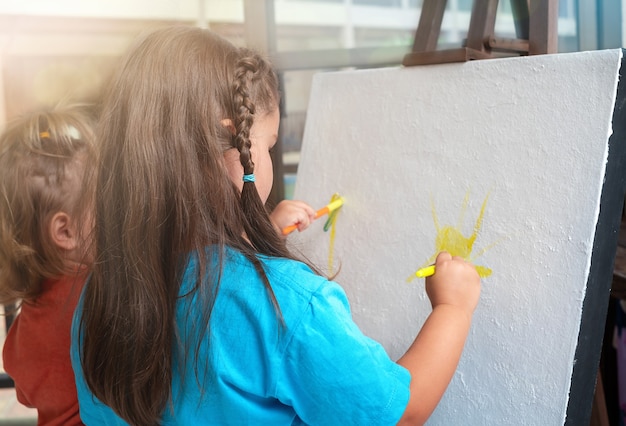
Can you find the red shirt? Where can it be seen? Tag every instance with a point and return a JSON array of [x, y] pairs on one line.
[[36, 353]]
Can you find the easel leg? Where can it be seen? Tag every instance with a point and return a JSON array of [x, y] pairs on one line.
[[599, 414], [482, 24], [519, 8], [542, 34], [429, 26]]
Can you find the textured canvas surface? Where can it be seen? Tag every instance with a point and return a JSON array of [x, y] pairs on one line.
[[502, 158]]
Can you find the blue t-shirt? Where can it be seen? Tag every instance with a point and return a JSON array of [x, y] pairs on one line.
[[319, 369]]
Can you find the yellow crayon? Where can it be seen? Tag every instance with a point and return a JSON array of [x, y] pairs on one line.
[[426, 271]]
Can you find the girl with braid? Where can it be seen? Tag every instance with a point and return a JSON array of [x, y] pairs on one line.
[[196, 313]]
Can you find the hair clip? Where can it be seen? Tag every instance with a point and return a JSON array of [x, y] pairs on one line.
[[249, 178], [44, 135]]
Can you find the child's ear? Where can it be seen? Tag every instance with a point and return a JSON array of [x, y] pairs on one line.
[[62, 231]]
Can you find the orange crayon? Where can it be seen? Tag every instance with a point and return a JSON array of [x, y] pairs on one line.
[[329, 208]]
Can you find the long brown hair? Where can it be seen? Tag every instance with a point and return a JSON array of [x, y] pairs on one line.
[[42, 158], [163, 192]]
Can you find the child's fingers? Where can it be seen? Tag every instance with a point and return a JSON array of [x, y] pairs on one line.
[[300, 214], [455, 282], [442, 257], [310, 212], [305, 219], [290, 215]]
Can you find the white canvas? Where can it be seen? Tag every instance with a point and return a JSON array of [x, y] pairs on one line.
[[528, 135]]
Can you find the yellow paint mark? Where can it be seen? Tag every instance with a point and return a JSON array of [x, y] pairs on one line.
[[331, 223], [331, 248], [450, 238]]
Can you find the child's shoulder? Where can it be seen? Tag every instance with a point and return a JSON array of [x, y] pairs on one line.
[[284, 275], [294, 284], [279, 270], [292, 272]]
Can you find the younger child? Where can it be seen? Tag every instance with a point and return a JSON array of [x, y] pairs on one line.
[[196, 313], [42, 261]]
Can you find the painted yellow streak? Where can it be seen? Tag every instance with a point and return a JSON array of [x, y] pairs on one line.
[[450, 238], [331, 248]]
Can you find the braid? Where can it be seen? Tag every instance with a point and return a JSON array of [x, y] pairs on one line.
[[254, 81], [245, 110]]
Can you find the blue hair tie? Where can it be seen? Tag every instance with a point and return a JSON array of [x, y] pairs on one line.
[[248, 178]]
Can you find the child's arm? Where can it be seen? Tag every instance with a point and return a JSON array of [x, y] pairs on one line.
[[432, 359], [292, 212]]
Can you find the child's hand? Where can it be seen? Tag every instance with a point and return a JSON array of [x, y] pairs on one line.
[[454, 283], [292, 212], [453, 291]]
